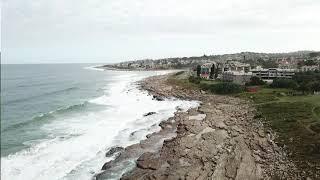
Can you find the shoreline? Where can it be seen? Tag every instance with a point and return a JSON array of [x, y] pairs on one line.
[[220, 139], [137, 69], [126, 156]]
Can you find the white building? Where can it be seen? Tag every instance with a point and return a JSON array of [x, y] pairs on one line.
[[273, 73], [236, 66], [238, 77]]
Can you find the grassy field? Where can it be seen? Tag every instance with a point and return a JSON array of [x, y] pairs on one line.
[[296, 119]]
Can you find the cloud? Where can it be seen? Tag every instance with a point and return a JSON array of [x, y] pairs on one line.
[[94, 29]]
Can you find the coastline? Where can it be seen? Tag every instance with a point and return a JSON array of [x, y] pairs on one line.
[[137, 69], [220, 139]]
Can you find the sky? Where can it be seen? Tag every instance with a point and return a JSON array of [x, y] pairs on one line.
[[106, 31]]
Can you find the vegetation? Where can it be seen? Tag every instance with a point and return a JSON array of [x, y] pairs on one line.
[[195, 80], [306, 82], [225, 88], [198, 70], [307, 77], [296, 119], [314, 54], [255, 81], [271, 63], [284, 83], [216, 87], [179, 73]]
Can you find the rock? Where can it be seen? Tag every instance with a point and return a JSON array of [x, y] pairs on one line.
[[218, 140], [114, 150], [261, 133], [148, 160], [198, 117], [107, 165], [149, 113], [158, 98]]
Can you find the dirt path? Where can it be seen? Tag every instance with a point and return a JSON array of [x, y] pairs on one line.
[[218, 140]]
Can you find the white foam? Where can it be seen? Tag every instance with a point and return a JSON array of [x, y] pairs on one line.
[[95, 68], [76, 149]]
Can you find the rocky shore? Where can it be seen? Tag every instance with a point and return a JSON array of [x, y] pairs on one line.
[[221, 139]]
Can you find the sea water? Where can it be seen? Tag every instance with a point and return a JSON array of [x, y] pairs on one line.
[[58, 121]]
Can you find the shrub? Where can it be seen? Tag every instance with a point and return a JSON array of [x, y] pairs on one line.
[[315, 86], [284, 83], [204, 86], [255, 81], [195, 80], [225, 88], [179, 73], [198, 70]]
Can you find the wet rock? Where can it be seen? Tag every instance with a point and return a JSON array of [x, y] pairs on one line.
[[107, 165], [114, 150], [158, 98], [149, 113]]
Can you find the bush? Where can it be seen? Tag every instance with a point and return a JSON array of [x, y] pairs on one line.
[[204, 86], [284, 83], [225, 88], [179, 73], [195, 80], [255, 81]]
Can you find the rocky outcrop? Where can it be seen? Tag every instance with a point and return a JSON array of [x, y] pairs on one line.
[[218, 140]]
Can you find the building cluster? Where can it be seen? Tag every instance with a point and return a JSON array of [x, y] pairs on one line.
[[240, 73], [167, 63], [238, 67]]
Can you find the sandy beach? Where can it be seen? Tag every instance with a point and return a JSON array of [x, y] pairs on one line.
[[221, 139]]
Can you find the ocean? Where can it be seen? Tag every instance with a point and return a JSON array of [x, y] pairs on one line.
[[58, 120]]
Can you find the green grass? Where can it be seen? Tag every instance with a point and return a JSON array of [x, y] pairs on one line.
[[209, 82], [265, 95], [316, 111], [296, 119]]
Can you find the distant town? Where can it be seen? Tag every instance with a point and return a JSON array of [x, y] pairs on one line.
[[237, 68]]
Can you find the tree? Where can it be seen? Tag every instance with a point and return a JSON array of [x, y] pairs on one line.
[[267, 64], [314, 54], [315, 86], [255, 81], [284, 83], [212, 70], [308, 81], [310, 63], [198, 70], [305, 87]]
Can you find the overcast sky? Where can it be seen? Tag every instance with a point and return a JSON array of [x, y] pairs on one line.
[[57, 31]]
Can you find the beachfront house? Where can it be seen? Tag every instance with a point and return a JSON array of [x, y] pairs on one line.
[[209, 71]]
